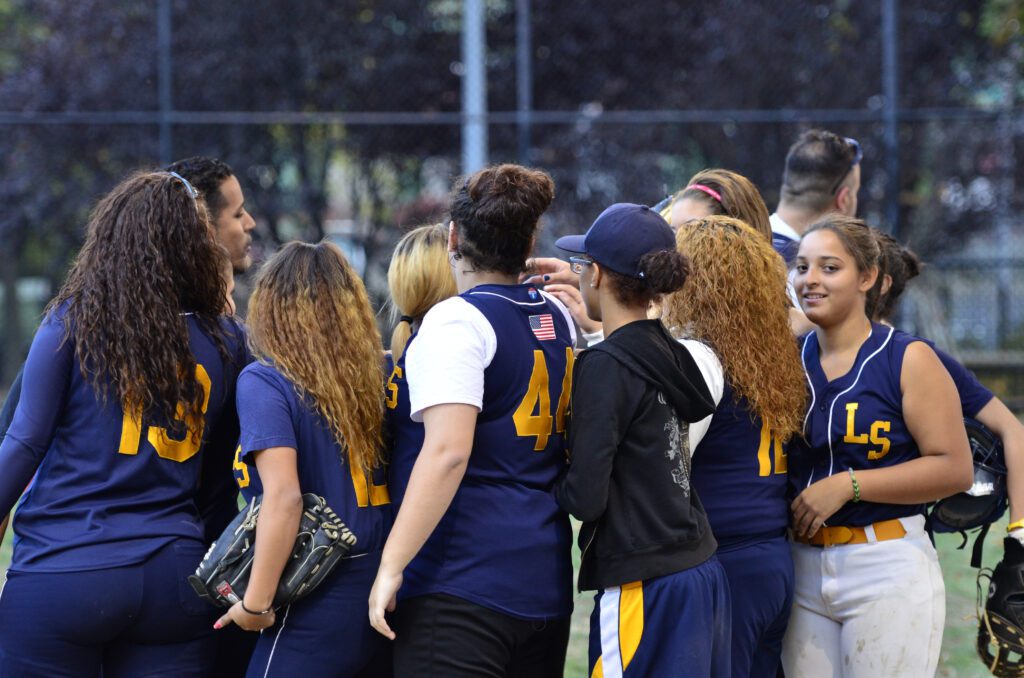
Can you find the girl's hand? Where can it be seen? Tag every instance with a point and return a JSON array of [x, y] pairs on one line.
[[382, 599], [819, 502], [546, 270], [573, 300], [249, 622]]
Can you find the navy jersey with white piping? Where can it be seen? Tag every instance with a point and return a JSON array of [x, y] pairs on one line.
[[504, 542], [739, 472], [403, 436], [272, 414], [856, 421], [111, 488]]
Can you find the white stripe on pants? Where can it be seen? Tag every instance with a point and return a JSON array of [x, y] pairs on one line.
[[875, 609]]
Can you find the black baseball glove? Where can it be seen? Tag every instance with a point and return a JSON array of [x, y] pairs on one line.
[[1001, 622], [322, 541]]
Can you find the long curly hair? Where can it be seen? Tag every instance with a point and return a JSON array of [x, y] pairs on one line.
[[310, 318], [735, 301], [149, 259], [419, 277]]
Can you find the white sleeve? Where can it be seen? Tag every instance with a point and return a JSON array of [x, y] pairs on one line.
[[565, 313], [714, 376], [446, 361], [593, 338]]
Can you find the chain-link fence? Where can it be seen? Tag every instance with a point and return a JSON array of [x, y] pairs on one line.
[[343, 120]]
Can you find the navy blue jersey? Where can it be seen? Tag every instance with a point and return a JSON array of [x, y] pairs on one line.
[[856, 421], [272, 414], [973, 396], [786, 247], [739, 472], [111, 488], [404, 436], [504, 543]]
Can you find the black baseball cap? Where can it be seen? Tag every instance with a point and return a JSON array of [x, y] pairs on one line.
[[621, 236]]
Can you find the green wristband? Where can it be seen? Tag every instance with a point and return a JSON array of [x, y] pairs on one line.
[[856, 486]]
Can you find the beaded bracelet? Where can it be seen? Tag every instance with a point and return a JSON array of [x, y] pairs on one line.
[[856, 486]]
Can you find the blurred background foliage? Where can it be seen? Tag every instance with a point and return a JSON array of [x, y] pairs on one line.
[[342, 120]]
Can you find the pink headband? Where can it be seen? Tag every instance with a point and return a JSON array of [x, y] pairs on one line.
[[710, 191]]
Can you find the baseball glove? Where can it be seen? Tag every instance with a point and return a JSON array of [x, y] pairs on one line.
[[1000, 632], [322, 541]]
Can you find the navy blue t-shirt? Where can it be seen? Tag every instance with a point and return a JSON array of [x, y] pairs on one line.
[[110, 489], [856, 421], [739, 472], [272, 414]]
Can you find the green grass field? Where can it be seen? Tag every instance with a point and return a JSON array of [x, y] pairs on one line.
[[959, 658]]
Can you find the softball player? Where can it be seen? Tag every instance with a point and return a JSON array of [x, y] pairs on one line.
[[480, 548], [131, 372], [311, 417], [735, 303], [882, 436], [720, 192], [663, 600], [419, 277]]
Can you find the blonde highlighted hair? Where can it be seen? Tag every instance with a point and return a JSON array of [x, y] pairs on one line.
[[310, 318], [735, 301], [419, 277], [734, 196]]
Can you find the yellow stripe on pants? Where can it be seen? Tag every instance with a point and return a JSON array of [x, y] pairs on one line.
[[631, 620]]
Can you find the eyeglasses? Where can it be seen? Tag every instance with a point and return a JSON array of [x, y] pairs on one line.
[[576, 264], [858, 155]]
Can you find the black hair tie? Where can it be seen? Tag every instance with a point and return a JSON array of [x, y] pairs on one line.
[[405, 319]]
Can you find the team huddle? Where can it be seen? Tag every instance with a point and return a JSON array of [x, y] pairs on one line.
[[717, 394]]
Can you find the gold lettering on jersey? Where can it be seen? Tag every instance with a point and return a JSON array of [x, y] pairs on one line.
[[877, 439], [392, 397], [367, 493], [563, 399], [242, 468], [851, 437], [165, 446], [536, 400], [875, 436], [781, 464], [182, 450], [768, 444]]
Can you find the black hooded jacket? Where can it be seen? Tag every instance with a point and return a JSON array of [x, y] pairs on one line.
[[633, 396]]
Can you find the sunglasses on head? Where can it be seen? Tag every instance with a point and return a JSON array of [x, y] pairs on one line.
[[858, 155]]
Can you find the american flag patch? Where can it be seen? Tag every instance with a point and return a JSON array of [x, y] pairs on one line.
[[543, 326]]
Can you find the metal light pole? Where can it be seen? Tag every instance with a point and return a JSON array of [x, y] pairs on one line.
[[163, 28], [474, 86], [524, 80]]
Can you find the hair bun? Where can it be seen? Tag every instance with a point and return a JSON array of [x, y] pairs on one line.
[[664, 271]]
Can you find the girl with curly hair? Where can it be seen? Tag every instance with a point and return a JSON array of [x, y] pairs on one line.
[[734, 303], [130, 374], [311, 414]]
